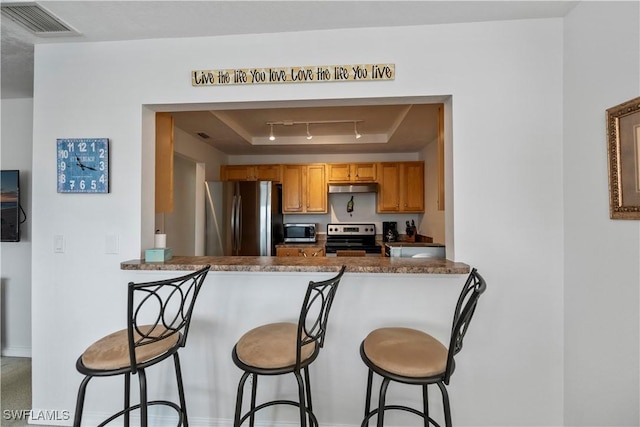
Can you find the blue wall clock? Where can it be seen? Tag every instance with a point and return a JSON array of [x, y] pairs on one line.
[[83, 165]]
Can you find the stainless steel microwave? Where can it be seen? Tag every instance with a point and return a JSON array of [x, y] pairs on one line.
[[299, 233]]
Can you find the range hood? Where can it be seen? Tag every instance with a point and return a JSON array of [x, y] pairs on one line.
[[353, 188]]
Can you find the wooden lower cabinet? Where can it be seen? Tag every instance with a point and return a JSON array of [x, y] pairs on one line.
[[315, 251]]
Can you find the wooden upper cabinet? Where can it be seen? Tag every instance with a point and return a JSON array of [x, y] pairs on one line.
[[250, 173], [389, 190], [316, 191], [292, 178], [351, 172], [412, 187], [304, 188], [401, 187], [164, 162]]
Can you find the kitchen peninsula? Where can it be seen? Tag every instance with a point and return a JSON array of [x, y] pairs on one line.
[[302, 264]]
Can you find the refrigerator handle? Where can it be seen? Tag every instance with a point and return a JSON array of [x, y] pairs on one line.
[[233, 224], [239, 224]]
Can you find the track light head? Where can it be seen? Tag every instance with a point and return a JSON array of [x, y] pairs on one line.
[[271, 136], [308, 133], [355, 130]]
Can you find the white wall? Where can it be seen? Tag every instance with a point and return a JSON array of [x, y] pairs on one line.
[[15, 258], [505, 80], [602, 277]]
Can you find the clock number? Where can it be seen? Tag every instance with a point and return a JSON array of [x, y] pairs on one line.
[[63, 178], [102, 179], [101, 165], [63, 166], [101, 151], [94, 185], [72, 184], [64, 154], [82, 184], [82, 146], [93, 146], [70, 146]]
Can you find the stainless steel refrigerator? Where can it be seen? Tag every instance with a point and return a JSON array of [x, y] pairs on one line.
[[243, 218]]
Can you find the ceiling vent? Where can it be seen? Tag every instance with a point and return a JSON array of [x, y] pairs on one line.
[[203, 135], [37, 19]]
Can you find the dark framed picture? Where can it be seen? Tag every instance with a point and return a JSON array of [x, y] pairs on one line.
[[10, 204], [623, 142]]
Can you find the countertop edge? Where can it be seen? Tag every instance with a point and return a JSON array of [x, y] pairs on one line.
[[379, 265]]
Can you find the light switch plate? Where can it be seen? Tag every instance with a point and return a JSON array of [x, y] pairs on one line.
[[111, 244], [58, 244]]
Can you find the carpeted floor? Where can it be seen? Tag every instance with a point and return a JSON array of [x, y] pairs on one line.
[[16, 391]]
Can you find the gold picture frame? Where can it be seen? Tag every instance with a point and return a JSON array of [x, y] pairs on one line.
[[623, 142]]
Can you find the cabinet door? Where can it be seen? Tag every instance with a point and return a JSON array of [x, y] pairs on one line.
[[338, 172], [292, 180], [365, 172], [268, 173], [164, 162], [287, 252], [316, 189], [312, 252], [389, 191], [237, 173], [412, 187]]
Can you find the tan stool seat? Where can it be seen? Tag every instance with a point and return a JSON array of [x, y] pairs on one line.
[[406, 352], [272, 346], [112, 351]]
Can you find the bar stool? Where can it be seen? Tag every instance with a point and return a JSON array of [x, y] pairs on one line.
[[411, 356], [283, 348], [158, 319]]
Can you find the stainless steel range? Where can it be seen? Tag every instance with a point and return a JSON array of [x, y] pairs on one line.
[[359, 237]]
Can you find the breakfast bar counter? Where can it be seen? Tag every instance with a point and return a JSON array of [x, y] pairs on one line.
[[302, 264]]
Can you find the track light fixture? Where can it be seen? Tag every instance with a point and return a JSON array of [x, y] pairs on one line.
[[307, 124]]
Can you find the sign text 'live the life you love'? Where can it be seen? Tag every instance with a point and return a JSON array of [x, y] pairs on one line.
[[309, 74]]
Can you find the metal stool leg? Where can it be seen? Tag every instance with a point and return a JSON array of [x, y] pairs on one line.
[[142, 380], [127, 397], [184, 421], [243, 379], [80, 401], [381, 401], [425, 405], [301, 399], [445, 404], [367, 403], [254, 392], [307, 382]]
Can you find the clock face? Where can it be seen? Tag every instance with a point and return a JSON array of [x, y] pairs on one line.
[[83, 165]]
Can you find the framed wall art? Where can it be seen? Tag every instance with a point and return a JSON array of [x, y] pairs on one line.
[[83, 165], [623, 143]]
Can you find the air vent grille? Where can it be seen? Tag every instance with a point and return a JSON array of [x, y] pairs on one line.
[[203, 135], [37, 19]]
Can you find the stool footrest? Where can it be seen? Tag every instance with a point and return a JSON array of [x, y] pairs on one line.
[[314, 420], [368, 416], [137, 406]]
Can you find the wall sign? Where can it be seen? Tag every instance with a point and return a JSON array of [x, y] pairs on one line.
[[307, 74]]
